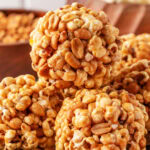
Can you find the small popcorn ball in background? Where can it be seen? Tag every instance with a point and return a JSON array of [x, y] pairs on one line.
[[134, 48], [27, 113], [101, 120], [134, 78], [74, 46]]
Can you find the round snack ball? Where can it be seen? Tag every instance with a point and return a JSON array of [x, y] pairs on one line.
[[27, 114], [74, 46], [136, 79], [134, 48], [104, 119]]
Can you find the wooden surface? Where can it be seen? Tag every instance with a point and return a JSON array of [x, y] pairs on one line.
[[14, 58]]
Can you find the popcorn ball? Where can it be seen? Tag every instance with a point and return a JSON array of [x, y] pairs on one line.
[[136, 80], [104, 119], [74, 46], [27, 114], [134, 48]]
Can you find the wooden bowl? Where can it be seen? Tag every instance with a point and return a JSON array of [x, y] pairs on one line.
[[14, 58]]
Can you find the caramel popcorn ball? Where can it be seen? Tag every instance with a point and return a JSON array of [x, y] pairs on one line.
[[104, 119], [27, 114], [16, 27], [136, 80], [134, 48], [74, 46]]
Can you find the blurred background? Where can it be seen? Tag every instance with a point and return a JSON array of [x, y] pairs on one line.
[[32, 4]]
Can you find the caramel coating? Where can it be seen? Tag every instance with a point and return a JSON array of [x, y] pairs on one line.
[[135, 79], [104, 119], [134, 48], [74, 46], [27, 113]]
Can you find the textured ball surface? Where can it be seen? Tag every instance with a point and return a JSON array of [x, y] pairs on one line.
[[74, 46], [104, 119], [27, 114]]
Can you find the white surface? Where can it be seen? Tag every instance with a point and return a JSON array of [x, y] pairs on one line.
[[44, 4], [33, 4], [10, 3]]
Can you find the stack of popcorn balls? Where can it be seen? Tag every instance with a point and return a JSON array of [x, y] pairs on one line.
[[81, 100]]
